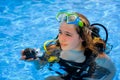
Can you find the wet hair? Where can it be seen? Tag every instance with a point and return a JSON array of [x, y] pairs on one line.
[[81, 30], [86, 37], [84, 20], [99, 43]]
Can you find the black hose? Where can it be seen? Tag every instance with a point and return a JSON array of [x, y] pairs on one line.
[[103, 28]]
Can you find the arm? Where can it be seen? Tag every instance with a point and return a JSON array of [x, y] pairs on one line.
[[105, 61], [39, 58], [35, 56]]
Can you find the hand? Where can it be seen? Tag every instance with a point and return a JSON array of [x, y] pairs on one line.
[[28, 54]]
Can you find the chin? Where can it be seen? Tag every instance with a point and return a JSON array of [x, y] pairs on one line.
[[65, 48]]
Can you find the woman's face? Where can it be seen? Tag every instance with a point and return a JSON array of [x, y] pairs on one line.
[[68, 37]]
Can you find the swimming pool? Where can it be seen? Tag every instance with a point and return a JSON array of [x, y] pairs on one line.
[[28, 23]]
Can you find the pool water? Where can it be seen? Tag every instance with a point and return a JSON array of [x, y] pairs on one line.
[[29, 23]]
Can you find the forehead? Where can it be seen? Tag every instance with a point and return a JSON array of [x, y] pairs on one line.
[[68, 27]]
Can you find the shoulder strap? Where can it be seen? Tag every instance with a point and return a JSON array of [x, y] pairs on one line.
[[89, 63]]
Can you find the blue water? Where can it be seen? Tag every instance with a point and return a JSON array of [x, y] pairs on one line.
[[29, 23]]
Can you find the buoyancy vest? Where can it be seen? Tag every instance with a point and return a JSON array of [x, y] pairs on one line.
[[76, 71]]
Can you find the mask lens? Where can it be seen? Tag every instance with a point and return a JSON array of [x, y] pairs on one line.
[[62, 17], [71, 18]]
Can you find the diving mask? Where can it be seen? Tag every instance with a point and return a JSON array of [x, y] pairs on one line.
[[69, 18]]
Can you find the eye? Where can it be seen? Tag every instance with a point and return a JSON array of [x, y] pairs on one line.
[[67, 34], [60, 32]]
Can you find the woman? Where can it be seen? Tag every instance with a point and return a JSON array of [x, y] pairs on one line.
[[74, 51]]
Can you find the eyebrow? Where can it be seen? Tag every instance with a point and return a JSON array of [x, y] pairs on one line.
[[65, 32]]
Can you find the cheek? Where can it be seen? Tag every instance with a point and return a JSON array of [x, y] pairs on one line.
[[76, 41]]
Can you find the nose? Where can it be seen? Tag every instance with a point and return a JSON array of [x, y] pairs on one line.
[[62, 38]]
